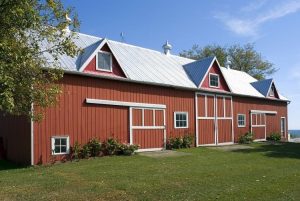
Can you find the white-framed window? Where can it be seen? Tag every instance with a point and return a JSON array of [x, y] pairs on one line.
[[214, 80], [241, 120], [282, 126], [181, 120], [104, 61], [60, 145], [272, 91]]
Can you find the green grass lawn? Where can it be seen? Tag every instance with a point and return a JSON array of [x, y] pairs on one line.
[[266, 172]]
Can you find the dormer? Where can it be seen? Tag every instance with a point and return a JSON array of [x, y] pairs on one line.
[[99, 59], [207, 75], [266, 88]]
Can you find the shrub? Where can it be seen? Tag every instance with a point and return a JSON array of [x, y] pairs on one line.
[[127, 149], [85, 152], [76, 151], [247, 138], [110, 147], [94, 146], [274, 137], [180, 142]]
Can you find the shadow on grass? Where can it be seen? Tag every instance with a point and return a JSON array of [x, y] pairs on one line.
[[6, 165], [276, 150]]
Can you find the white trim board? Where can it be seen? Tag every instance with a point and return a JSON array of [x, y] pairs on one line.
[[122, 103], [263, 112]]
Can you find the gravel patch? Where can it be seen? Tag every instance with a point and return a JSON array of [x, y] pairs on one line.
[[163, 154], [232, 147]]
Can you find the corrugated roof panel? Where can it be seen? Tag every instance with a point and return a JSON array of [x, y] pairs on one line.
[[145, 65]]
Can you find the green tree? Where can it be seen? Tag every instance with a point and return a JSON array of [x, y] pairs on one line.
[[244, 58], [26, 76]]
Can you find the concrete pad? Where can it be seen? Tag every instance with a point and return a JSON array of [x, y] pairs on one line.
[[163, 154], [232, 147]]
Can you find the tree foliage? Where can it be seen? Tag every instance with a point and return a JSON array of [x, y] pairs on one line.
[[244, 58], [26, 76]]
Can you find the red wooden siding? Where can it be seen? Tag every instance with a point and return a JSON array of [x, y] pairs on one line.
[[159, 118], [224, 131], [215, 70], [137, 117], [243, 105], [149, 138], [15, 132], [206, 131], [81, 121], [259, 133], [116, 69]]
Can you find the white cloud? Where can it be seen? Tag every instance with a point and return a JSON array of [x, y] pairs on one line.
[[249, 26]]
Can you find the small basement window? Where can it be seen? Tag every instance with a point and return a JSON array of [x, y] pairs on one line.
[[104, 61], [241, 120], [181, 120], [60, 145], [214, 80]]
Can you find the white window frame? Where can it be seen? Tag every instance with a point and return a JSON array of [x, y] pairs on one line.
[[282, 132], [187, 119], [241, 126], [100, 69], [218, 80], [53, 144]]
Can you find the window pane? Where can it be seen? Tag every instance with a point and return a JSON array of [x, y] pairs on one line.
[[214, 80], [177, 117], [183, 116], [57, 149], [63, 149], [177, 123], [184, 124], [104, 61], [57, 142], [63, 141]]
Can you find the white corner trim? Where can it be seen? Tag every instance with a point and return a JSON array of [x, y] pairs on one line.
[[125, 104], [32, 138], [263, 112]]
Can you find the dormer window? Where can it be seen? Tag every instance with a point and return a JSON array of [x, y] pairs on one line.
[[214, 80], [272, 91], [104, 61]]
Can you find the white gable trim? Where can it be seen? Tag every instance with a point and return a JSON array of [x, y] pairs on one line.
[[215, 59], [83, 66]]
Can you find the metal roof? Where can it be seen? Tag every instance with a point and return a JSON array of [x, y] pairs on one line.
[[150, 66]]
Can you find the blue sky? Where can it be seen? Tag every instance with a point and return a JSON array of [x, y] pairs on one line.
[[273, 25]]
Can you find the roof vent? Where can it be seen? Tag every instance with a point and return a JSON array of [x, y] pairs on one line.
[[68, 22], [227, 62], [167, 48]]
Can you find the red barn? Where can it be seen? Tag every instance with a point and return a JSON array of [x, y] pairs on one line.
[[142, 96]]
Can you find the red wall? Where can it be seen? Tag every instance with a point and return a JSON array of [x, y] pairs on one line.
[[81, 121], [15, 132], [216, 70], [243, 105]]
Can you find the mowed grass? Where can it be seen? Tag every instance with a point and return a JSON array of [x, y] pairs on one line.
[[265, 172]]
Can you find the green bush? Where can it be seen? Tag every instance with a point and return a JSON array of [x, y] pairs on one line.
[[247, 138], [180, 142], [110, 146], [76, 151], [85, 151], [94, 147], [127, 149], [274, 137]]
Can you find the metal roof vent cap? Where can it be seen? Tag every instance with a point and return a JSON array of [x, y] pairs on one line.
[[227, 62], [167, 48]]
